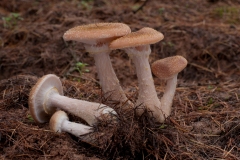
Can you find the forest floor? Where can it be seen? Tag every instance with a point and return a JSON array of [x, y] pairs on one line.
[[205, 118]]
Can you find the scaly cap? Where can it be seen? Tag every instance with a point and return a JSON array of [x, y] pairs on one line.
[[96, 32], [167, 67], [143, 36]]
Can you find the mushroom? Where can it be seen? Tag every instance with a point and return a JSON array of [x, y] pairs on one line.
[[137, 46], [168, 69], [59, 122], [96, 38], [47, 95]]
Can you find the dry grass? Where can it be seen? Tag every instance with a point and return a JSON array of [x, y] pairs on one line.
[[204, 124]]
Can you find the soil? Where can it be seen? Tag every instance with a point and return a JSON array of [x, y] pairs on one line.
[[205, 119]]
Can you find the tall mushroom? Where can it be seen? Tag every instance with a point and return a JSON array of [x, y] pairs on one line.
[[137, 46], [168, 69], [96, 38], [47, 95], [59, 122]]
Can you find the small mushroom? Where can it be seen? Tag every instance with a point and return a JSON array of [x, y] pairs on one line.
[[137, 46], [59, 122], [168, 69], [96, 38], [47, 95]]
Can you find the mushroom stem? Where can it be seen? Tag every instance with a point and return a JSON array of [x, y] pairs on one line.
[[59, 122], [107, 77], [88, 111], [168, 95], [147, 94], [76, 129]]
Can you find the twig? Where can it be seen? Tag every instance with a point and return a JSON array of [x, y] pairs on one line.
[[141, 7]]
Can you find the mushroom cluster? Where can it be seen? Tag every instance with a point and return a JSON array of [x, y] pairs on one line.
[[47, 96], [46, 100]]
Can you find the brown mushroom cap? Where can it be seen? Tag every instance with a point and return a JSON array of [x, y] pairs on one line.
[[38, 96], [168, 67], [144, 36], [97, 32], [56, 121]]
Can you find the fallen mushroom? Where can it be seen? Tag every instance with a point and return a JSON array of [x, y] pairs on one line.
[[47, 95], [59, 122], [137, 46], [168, 69], [96, 38]]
